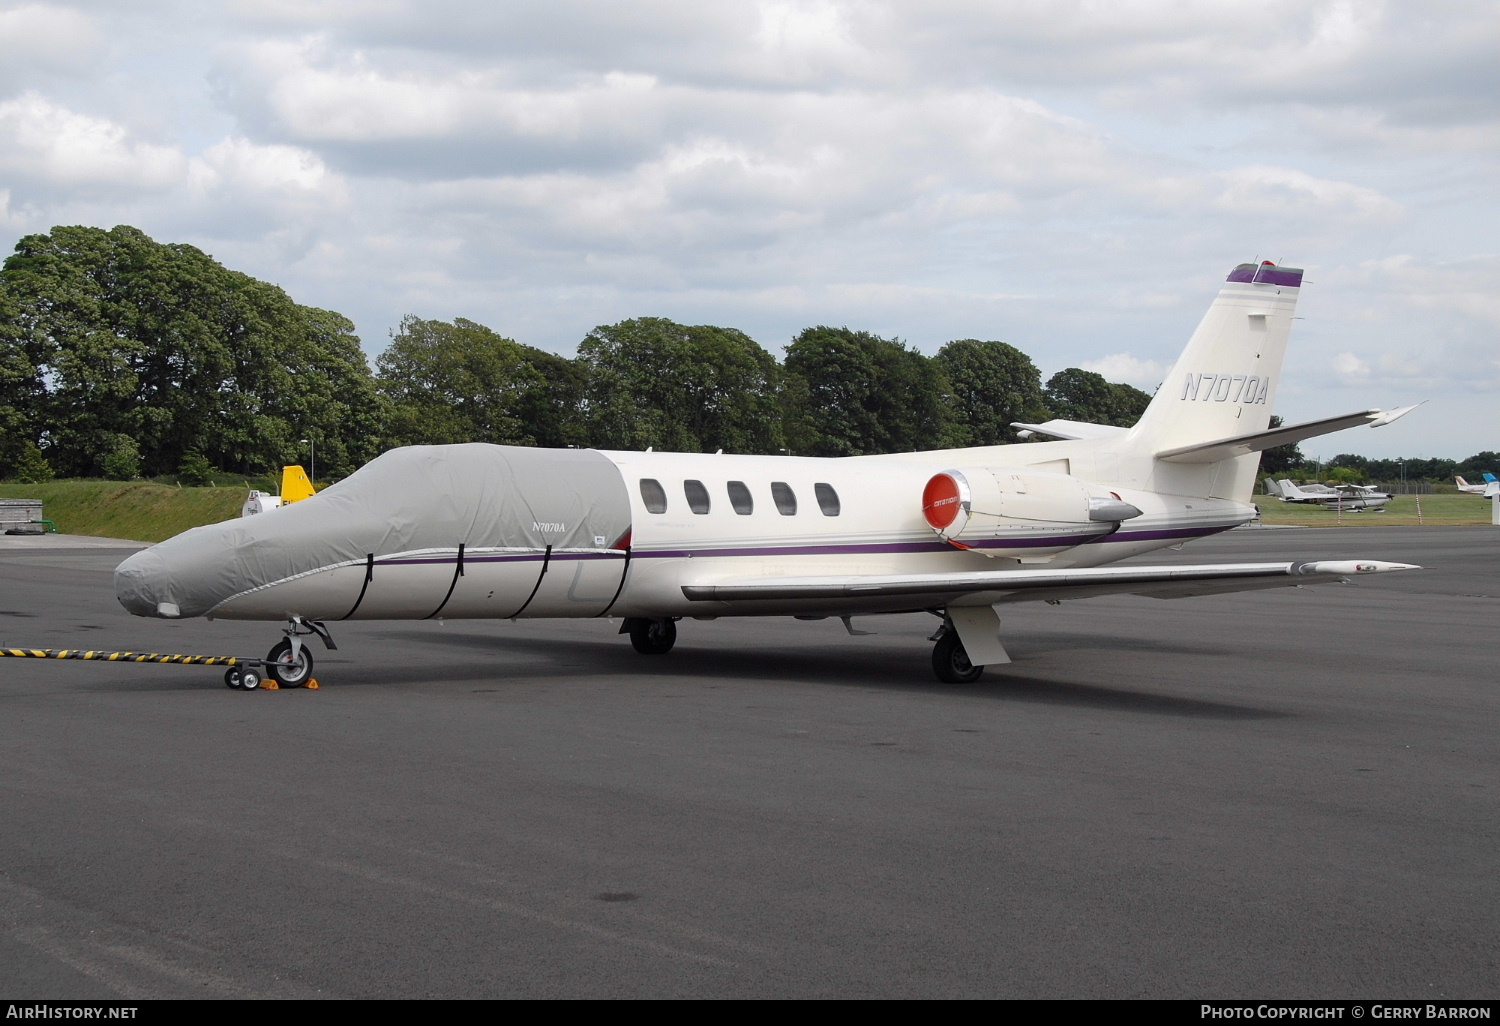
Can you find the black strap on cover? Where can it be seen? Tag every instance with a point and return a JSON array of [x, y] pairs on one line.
[[369, 576], [624, 570], [546, 560], [458, 571]]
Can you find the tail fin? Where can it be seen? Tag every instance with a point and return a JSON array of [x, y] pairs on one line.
[[1488, 477], [1461, 482], [1224, 383], [294, 484]]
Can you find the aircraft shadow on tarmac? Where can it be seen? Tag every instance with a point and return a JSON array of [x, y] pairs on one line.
[[1043, 643], [539, 659], [844, 667]]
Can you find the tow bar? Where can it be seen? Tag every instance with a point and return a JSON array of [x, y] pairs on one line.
[[242, 674]]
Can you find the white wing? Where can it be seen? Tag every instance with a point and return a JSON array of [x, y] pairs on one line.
[[994, 586]]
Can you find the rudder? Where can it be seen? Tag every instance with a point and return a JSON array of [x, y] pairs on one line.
[[1224, 383]]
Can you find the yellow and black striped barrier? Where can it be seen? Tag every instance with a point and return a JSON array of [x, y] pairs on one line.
[[122, 657], [242, 674]]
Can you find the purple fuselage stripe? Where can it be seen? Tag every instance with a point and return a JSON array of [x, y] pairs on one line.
[[522, 558], [873, 548]]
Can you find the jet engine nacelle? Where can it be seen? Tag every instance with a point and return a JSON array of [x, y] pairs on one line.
[[979, 506]]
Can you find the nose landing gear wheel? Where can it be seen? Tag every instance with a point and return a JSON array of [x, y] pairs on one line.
[[289, 673], [951, 663], [653, 637]]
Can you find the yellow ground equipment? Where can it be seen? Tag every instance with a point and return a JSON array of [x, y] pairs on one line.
[[295, 486]]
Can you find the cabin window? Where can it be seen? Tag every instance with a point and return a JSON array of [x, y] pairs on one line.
[[740, 498], [828, 499], [784, 497], [653, 495], [697, 496]]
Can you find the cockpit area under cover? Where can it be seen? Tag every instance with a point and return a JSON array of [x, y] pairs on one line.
[[429, 498]]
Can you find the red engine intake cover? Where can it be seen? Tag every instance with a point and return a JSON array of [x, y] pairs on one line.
[[940, 501]]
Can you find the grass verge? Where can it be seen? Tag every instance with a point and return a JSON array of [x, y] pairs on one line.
[[1437, 511], [138, 510]]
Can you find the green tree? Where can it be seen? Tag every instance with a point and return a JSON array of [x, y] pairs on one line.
[[195, 469], [1075, 394], [552, 409], [32, 467], [1281, 459], [1355, 464], [20, 386], [1479, 464], [993, 385], [863, 394], [456, 382], [160, 343], [123, 461], [333, 399], [653, 382], [1129, 403]]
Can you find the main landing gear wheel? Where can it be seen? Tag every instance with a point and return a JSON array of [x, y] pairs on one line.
[[951, 663], [289, 673], [653, 637]]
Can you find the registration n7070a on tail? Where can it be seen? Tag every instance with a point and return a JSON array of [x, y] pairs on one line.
[[501, 532]]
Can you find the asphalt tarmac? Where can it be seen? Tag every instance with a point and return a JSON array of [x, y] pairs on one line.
[[1289, 793]]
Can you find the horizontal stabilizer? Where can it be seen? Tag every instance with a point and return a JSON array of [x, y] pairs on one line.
[[1256, 441], [1068, 429], [994, 586]]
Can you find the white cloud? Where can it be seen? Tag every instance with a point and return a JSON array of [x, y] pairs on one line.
[[242, 166], [805, 40], [43, 37], [8, 218], [1264, 188], [1468, 286], [1351, 370], [42, 140], [358, 104], [1132, 370]]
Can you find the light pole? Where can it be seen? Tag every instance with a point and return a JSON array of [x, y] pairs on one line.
[[312, 447], [1403, 476]]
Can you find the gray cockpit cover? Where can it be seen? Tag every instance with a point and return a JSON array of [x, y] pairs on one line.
[[419, 497]]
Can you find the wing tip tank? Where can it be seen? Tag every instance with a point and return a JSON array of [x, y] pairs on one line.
[[1351, 567]]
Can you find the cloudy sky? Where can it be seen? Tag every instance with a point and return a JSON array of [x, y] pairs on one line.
[[1071, 176]]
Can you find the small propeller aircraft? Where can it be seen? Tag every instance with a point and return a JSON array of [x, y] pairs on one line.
[[1336, 497], [1489, 488], [504, 532]]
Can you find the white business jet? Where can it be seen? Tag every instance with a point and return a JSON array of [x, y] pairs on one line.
[[503, 532]]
